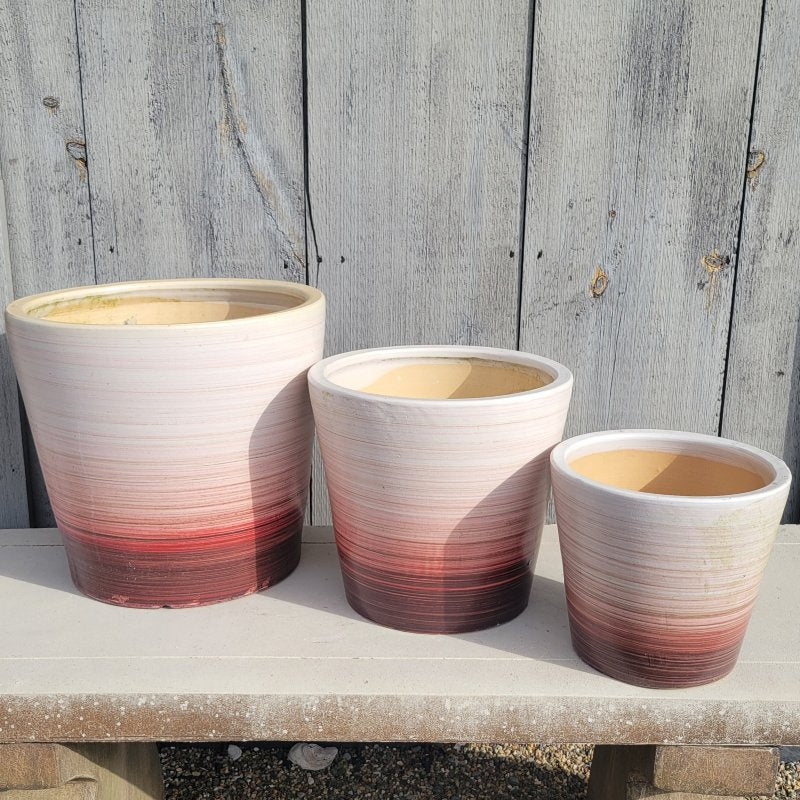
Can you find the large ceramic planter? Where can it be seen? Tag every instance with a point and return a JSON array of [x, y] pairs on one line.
[[437, 466], [174, 430], [664, 537]]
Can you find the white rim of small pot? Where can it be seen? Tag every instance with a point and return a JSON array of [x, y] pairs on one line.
[[21, 309], [692, 444], [320, 374]]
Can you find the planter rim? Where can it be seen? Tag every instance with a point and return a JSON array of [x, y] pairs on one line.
[[649, 438], [20, 309], [562, 377]]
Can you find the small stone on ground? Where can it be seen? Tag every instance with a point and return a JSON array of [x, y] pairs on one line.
[[393, 772]]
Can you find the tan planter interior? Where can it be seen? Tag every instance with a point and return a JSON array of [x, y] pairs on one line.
[[133, 308], [441, 378], [659, 472]]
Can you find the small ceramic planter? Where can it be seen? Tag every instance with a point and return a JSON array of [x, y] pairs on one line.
[[174, 430], [437, 466], [664, 537]]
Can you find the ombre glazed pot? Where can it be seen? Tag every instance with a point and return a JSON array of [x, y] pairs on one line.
[[174, 430], [437, 467], [664, 538]]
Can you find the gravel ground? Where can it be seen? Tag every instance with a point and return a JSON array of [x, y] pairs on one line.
[[399, 772]]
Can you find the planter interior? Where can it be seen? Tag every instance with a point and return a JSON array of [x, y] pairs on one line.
[[149, 306], [439, 378], [671, 473]]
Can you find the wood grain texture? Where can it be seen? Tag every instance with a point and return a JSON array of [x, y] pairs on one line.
[[762, 400], [108, 771], [670, 772], [638, 133], [195, 138], [416, 119], [43, 164], [13, 488]]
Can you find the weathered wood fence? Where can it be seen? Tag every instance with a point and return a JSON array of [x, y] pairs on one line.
[[611, 183]]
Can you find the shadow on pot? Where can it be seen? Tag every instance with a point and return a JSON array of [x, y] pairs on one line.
[[538, 631], [437, 468], [173, 435], [268, 539]]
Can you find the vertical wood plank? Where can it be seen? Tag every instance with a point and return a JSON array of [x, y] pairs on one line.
[[416, 119], [194, 119], [194, 128], [638, 139], [13, 486], [43, 164], [762, 394]]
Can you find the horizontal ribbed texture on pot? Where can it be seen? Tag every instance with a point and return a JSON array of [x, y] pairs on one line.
[[438, 505], [660, 587], [176, 457]]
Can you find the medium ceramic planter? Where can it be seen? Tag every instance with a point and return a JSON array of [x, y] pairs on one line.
[[437, 466], [664, 537], [174, 430]]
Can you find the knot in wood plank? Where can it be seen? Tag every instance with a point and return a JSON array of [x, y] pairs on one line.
[[599, 282]]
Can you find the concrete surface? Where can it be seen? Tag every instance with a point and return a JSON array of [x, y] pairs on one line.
[[296, 663]]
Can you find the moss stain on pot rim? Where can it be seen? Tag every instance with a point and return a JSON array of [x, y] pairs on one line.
[[144, 304], [440, 375]]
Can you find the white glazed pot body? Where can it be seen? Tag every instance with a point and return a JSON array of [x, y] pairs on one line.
[[660, 587], [438, 505], [176, 456]]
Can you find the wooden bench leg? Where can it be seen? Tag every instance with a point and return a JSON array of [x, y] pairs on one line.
[[106, 771], [672, 772]]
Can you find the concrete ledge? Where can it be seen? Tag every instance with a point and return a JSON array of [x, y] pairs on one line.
[[296, 663]]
